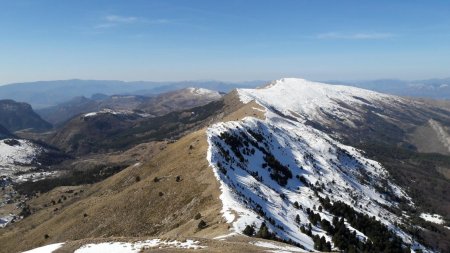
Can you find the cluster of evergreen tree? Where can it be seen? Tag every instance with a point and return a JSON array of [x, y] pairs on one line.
[[74, 177], [264, 233], [234, 142], [278, 172], [241, 141], [380, 238], [321, 244]]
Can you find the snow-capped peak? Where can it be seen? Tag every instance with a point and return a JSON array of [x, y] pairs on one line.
[[204, 92], [310, 99]]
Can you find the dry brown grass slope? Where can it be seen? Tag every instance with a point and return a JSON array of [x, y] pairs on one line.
[[133, 204]]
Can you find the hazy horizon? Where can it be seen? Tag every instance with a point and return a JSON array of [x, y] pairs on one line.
[[228, 81]]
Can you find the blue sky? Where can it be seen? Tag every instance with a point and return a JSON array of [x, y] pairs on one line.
[[223, 40]]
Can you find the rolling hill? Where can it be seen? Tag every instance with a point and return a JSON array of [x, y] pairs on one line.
[[157, 105], [50, 93]]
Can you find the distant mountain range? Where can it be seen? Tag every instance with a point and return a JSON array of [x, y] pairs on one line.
[[157, 105], [50, 93], [431, 88], [44, 94]]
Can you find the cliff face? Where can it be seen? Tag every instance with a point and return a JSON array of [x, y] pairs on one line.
[[16, 116]]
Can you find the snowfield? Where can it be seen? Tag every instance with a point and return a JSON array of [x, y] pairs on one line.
[[212, 94], [312, 101], [123, 247], [115, 112], [17, 159], [276, 248], [311, 164], [434, 218], [13, 152], [46, 249], [136, 247]]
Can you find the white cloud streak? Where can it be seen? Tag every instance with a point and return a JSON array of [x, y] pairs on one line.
[[121, 19], [111, 21]]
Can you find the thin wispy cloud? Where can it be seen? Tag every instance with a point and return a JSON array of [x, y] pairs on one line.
[[354, 36], [158, 21], [121, 19], [111, 21]]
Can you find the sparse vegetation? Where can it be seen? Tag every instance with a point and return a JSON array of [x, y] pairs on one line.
[[381, 238], [202, 224], [278, 172], [73, 178], [249, 230]]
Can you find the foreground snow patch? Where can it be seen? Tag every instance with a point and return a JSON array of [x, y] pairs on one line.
[[127, 247], [276, 248], [46, 249], [435, 218]]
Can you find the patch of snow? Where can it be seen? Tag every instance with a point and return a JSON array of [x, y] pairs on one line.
[[34, 176], [258, 109], [223, 237], [205, 92], [17, 159], [46, 249], [115, 112], [276, 248], [5, 220], [434, 218], [443, 136], [135, 247], [22, 152]]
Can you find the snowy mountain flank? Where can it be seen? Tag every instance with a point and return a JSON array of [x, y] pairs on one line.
[[17, 156], [293, 181]]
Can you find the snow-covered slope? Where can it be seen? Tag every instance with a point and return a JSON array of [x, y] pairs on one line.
[[314, 101], [283, 172], [19, 159], [212, 94], [14, 151], [116, 112]]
